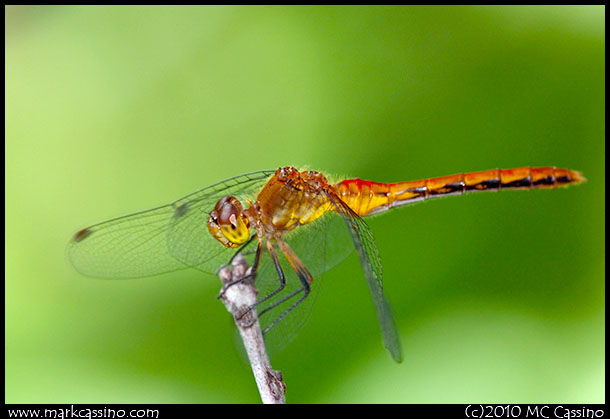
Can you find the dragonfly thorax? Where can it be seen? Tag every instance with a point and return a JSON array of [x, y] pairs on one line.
[[229, 223], [291, 198]]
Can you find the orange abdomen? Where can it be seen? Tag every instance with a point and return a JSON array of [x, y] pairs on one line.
[[366, 197]]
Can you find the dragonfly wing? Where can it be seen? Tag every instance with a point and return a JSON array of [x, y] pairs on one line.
[[371, 265], [164, 239], [125, 247]]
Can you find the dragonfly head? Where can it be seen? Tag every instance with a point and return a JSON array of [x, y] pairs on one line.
[[228, 223]]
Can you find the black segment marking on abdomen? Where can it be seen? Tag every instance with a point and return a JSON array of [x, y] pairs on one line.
[[549, 180], [449, 188], [526, 182], [484, 185]]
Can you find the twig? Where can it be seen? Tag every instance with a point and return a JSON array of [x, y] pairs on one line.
[[237, 298]]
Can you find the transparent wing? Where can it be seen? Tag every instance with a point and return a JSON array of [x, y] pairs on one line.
[[164, 239], [371, 265]]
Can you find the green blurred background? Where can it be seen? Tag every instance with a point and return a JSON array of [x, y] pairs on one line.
[[498, 297]]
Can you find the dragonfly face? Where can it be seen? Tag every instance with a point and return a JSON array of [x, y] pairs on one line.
[[229, 223]]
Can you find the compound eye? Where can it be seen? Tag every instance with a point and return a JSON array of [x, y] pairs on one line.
[[228, 224], [228, 216]]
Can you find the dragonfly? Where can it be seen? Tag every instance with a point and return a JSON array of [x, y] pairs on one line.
[[292, 224]]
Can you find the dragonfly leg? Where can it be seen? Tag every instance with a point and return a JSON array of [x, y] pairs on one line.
[[251, 271], [303, 275], [281, 276], [304, 288]]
